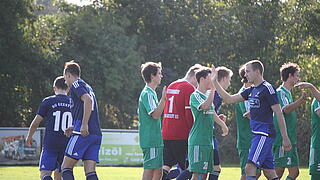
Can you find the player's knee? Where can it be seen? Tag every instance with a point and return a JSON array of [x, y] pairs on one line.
[[217, 168], [89, 166]]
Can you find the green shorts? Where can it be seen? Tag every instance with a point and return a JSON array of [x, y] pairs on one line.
[[243, 155], [314, 161], [152, 158], [200, 159], [286, 159]]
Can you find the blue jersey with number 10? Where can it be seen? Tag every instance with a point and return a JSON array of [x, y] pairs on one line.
[[79, 88], [56, 110]]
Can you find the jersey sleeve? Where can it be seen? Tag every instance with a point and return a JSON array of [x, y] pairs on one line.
[[217, 101], [79, 89], [149, 102], [283, 100], [43, 109], [244, 108], [246, 92], [316, 106], [187, 109], [271, 96], [186, 96], [196, 101]]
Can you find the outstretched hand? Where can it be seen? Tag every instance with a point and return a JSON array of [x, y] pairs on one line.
[[304, 85], [214, 73], [28, 141]]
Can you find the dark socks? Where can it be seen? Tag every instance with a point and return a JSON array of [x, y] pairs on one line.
[[164, 174], [184, 175], [214, 175], [47, 177], [67, 174], [251, 178], [92, 176], [173, 173], [289, 178]]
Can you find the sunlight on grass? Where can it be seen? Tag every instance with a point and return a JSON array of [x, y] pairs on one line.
[[118, 173]]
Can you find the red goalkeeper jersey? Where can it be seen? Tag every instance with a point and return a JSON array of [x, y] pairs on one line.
[[177, 120]]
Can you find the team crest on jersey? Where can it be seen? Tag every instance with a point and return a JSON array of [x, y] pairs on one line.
[[254, 103]]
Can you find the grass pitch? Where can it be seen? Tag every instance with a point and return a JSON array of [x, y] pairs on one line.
[[118, 173]]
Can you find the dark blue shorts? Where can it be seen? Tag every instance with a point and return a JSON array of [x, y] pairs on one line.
[[50, 160], [84, 147], [260, 153]]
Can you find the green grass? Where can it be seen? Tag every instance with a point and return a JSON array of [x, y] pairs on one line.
[[116, 173]]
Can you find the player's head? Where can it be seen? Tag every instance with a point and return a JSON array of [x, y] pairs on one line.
[[191, 74], [224, 76], [71, 72], [254, 70], [59, 85], [242, 73], [203, 77], [151, 72], [290, 72]]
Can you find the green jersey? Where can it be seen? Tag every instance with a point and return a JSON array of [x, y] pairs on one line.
[[285, 98], [149, 128], [315, 124], [202, 129], [244, 134]]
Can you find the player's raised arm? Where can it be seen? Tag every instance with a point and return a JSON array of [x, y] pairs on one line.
[[224, 95], [33, 127], [282, 126], [291, 107], [208, 102], [315, 92], [156, 114]]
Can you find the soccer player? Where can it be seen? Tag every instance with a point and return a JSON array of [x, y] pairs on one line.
[[178, 121], [56, 110], [200, 148], [314, 160], [224, 78], [149, 113], [263, 102], [86, 139], [244, 134], [290, 76]]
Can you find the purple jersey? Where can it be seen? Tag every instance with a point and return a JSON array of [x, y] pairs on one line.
[[261, 98], [217, 101], [79, 88], [56, 110]]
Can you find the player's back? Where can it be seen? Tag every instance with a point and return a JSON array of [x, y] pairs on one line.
[[56, 110], [79, 88], [178, 119]]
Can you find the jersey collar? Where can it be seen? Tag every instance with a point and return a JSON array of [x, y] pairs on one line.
[[285, 89], [147, 87]]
